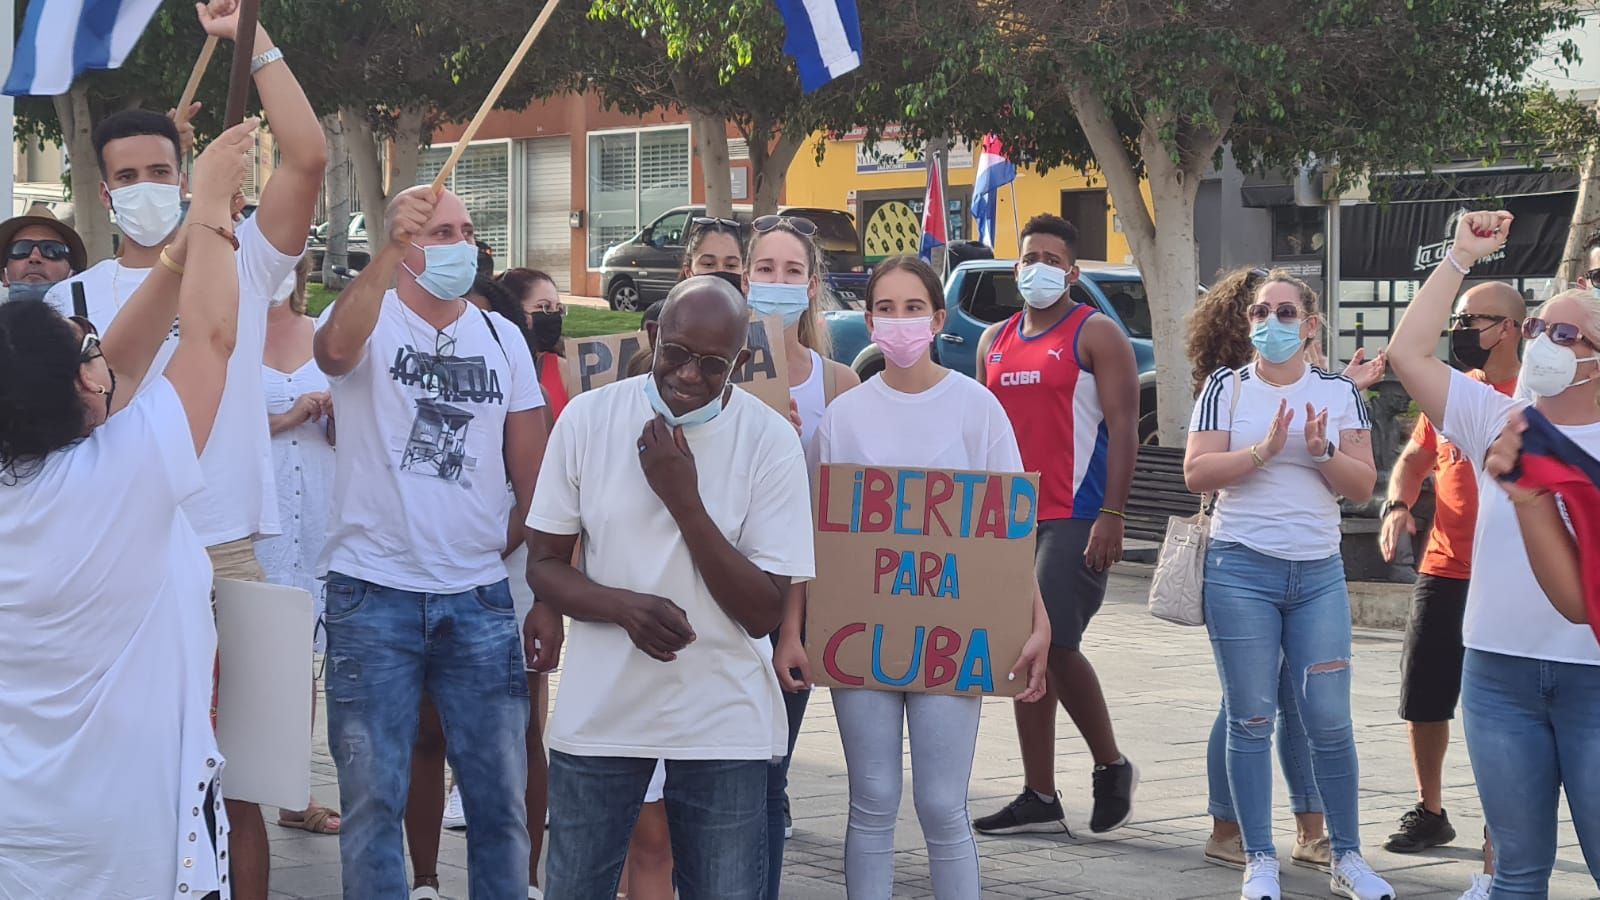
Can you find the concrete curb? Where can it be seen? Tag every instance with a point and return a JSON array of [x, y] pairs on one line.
[[1373, 604]]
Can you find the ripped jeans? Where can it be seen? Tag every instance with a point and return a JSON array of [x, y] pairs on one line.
[[1264, 613]]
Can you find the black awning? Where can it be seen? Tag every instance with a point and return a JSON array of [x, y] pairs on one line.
[[1407, 240], [1275, 189], [1259, 191]]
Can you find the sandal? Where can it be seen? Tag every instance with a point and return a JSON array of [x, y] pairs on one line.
[[314, 820]]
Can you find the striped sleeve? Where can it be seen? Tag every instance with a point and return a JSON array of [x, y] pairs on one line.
[[1356, 416], [1213, 411]]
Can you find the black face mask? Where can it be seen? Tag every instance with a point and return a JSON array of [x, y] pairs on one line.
[[1467, 349], [546, 331], [733, 278]]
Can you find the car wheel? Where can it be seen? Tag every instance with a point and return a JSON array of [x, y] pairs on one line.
[[623, 295]]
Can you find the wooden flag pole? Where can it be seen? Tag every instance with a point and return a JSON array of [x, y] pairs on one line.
[[494, 95], [200, 66], [244, 45]]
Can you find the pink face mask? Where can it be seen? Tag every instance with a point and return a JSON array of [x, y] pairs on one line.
[[903, 341]]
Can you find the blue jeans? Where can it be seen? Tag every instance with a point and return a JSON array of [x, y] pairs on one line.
[[385, 648], [1533, 727], [794, 707], [1266, 615], [1294, 756], [716, 815]]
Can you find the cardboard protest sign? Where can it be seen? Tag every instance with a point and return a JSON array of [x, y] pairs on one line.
[[924, 579], [594, 362], [264, 636]]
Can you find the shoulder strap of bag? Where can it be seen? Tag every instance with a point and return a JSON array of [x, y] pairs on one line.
[[1208, 502], [830, 382], [496, 335]]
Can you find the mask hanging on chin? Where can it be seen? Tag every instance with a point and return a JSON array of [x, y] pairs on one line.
[[693, 417], [448, 270], [147, 212], [28, 290], [1548, 368]]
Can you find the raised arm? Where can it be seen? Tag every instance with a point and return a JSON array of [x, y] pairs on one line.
[[340, 344], [208, 297], [1416, 339], [289, 200], [136, 336]]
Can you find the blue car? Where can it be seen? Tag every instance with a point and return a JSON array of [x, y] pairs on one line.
[[982, 292]]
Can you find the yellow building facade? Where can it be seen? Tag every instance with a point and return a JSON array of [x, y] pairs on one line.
[[883, 185]]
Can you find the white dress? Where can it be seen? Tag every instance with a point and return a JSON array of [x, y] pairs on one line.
[[302, 462]]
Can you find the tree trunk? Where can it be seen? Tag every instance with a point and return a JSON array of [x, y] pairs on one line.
[[89, 216], [1585, 217], [407, 150], [770, 166], [336, 196], [362, 145], [711, 145]]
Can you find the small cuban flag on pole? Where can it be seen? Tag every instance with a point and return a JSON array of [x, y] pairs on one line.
[[994, 172], [824, 39], [933, 224], [61, 39]]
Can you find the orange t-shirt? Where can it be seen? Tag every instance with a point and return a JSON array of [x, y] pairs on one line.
[[1455, 491]]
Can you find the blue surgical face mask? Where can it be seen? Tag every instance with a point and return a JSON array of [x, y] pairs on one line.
[[1041, 285], [776, 299], [1276, 341], [693, 417], [448, 269]]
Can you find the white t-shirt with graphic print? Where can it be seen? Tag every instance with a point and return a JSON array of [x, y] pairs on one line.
[[1286, 510], [419, 490]]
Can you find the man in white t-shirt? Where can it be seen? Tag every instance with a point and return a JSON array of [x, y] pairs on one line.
[[140, 154], [694, 506], [439, 407]]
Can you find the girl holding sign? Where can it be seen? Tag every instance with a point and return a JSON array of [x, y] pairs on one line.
[[917, 414], [1282, 440]]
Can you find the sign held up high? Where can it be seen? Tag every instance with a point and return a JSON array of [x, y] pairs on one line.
[[924, 579]]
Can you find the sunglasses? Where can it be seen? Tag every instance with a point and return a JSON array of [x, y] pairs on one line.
[[716, 223], [799, 224], [51, 250], [677, 356], [1472, 320], [1592, 276], [1286, 312], [1562, 334], [90, 348]]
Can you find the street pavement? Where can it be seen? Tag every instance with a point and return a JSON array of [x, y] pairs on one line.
[[1162, 688]]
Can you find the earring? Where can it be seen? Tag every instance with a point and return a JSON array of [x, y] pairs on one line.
[[100, 389]]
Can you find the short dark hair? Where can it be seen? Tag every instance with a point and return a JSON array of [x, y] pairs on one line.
[[133, 123], [1055, 226], [914, 265], [40, 408]]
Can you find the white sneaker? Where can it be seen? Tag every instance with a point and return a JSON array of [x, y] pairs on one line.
[[1480, 888], [1260, 878], [534, 893], [1353, 878], [455, 818]]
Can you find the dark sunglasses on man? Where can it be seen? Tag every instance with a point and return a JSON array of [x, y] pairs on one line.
[[800, 224], [51, 250], [1593, 277], [677, 356], [1474, 321]]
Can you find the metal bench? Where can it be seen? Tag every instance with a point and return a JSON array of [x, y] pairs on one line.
[[1157, 493]]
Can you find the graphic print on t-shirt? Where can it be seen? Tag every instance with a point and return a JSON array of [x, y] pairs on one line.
[[436, 446]]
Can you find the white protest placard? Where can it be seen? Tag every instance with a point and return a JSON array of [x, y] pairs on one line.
[[264, 636]]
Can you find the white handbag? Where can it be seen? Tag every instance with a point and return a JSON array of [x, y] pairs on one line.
[[1177, 589]]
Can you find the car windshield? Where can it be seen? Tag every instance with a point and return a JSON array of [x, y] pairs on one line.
[[1130, 302]]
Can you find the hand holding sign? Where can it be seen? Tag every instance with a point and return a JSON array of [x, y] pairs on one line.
[[657, 626]]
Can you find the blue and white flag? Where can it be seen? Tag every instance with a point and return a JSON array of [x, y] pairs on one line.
[[995, 171], [61, 39], [824, 39]]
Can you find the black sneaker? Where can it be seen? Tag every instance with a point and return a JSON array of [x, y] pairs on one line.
[[788, 820], [1419, 830], [1027, 813], [1113, 796]]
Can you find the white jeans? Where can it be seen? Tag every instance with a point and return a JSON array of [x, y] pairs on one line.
[[944, 735]]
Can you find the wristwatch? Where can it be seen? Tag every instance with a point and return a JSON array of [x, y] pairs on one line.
[[1392, 505], [265, 59], [1326, 454]]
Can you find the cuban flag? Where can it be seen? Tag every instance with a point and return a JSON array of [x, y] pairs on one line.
[[824, 39], [933, 226], [63, 38], [1552, 462], [994, 172]]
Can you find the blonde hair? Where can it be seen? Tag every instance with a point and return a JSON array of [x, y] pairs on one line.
[[302, 274], [812, 335], [1590, 326]]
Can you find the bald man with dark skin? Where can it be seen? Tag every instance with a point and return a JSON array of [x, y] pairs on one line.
[[1486, 333]]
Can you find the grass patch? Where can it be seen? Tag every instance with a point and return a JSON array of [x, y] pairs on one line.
[[582, 321]]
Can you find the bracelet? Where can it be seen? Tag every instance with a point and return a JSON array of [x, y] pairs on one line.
[[1450, 258], [168, 263], [1114, 512], [224, 233], [1256, 455], [265, 59]]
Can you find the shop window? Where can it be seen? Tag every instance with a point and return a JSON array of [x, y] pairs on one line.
[[634, 177]]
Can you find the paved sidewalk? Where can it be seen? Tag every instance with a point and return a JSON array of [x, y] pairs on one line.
[[1162, 687]]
